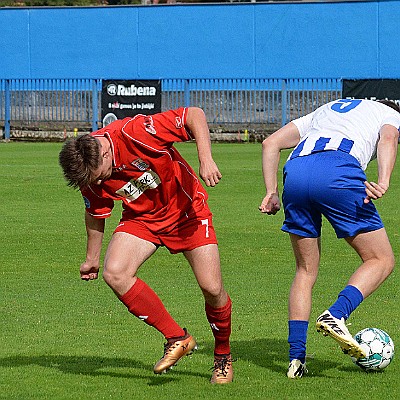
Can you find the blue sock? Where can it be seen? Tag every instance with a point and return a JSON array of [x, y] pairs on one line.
[[348, 300], [297, 340]]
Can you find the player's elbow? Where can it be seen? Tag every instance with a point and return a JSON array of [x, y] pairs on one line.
[[267, 142], [271, 145], [195, 113]]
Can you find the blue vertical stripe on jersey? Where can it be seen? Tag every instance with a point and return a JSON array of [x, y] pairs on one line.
[[320, 144], [346, 145], [298, 149]]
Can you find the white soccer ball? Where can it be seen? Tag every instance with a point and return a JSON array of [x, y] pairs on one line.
[[378, 346]]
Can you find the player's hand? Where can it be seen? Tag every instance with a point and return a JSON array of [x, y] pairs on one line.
[[210, 173], [374, 191], [270, 204], [89, 271]]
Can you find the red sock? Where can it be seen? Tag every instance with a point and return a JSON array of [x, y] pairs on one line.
[[143, 303], [220, 322]]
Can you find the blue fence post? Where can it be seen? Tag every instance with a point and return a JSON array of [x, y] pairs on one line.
[[95, 105], [284, 102], [186, 93], [7, 115]]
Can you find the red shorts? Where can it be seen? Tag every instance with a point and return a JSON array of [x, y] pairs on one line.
[[191, 231]]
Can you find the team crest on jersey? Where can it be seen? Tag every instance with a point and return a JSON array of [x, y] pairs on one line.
[[149, 125], [136, 187], [178, 122], [140, 164]]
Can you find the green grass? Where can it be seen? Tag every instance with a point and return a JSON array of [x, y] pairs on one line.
[[62, 338]]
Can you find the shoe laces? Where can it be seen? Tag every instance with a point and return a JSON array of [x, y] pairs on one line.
[[170, 345], [222, 365]]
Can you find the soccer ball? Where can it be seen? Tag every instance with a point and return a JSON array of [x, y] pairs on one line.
[[379, 348]]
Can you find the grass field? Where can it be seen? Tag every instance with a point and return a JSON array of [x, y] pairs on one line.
[[62, 338]]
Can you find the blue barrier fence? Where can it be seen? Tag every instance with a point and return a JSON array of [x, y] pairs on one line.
[[228, 103]]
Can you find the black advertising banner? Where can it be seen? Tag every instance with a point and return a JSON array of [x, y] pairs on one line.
[[126, 98], [374, 89]]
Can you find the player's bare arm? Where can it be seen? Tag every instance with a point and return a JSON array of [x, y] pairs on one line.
[[386, 157], [95, 231], [284, 138], [196, 123]]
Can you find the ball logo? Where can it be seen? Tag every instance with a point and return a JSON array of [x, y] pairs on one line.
[[112, 89]]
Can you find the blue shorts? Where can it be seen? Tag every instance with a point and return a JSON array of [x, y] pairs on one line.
[[328, 183]]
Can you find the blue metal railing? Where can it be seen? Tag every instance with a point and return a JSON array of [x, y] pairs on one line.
[[254, 101], [226, 102]]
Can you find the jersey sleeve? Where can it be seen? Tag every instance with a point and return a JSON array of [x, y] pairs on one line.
[[392, 118], [304, 123], [165, 128], [171, 126], [96, 206]]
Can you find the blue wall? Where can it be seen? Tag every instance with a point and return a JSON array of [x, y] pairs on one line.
[[254, 40]]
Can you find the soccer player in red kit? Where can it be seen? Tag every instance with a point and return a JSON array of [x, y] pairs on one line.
[[164, 204]]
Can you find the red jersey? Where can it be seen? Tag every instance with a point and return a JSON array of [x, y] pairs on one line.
[[150, 177]]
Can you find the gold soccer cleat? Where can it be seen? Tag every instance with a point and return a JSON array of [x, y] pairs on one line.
[[174, 350], [222, 369]]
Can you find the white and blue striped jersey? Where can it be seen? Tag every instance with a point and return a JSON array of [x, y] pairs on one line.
[[347, 125]]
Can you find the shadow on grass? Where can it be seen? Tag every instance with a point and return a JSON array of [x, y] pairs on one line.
[[272, 354], [97, 366]]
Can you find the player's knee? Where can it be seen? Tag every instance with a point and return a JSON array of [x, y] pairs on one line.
[[112, 276], [391, 263], [108, 277], [213, 290], [387, 263]]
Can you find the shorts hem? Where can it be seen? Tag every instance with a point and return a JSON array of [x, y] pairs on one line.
[[300, 233], [358, 231], [195, 246]]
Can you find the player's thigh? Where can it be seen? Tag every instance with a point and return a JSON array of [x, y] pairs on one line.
[[307, 252], [372, 245], [205, 263], [301, 216], [126, 253]]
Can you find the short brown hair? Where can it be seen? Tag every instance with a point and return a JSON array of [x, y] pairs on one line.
[[390, 104], [78, 158]]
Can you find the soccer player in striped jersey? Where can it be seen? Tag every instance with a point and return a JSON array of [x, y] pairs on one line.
[[164, 204], [324, 176]]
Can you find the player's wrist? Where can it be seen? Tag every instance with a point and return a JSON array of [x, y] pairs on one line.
[[94, 261], [384, 185]]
